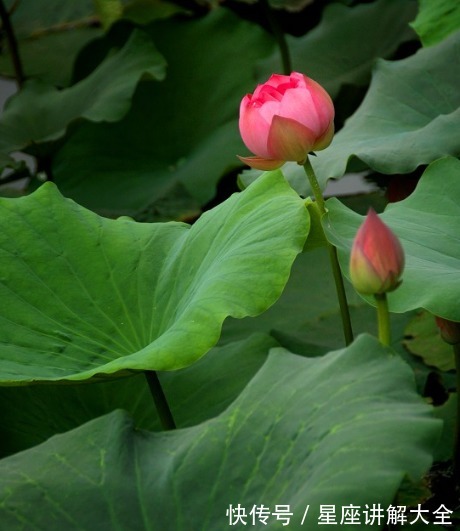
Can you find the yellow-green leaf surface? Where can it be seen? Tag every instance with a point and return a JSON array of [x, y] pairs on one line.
[[436, 20]]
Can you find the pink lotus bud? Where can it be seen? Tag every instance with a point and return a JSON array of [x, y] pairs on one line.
[[450, 330], [377, 258], [285, 119]]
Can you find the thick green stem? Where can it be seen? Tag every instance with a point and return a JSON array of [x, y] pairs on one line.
[[341, 295], [383, 318], [457, 419], [166, 418], [279, 36], [316, 189], [336, 271]]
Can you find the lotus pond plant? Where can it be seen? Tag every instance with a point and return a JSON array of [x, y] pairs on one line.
[[194, 338]]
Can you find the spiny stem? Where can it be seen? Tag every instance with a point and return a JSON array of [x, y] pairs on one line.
[[336, 271], [166, 418], [383, 318], [13, 45]]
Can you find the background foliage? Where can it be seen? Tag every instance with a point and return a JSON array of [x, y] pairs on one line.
[[133, 239]]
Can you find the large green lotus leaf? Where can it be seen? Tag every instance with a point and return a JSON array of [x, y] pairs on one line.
[[333, 53], [41, 113], [409, 117], [31, 414], [184, 129], [436, 20], [340, 429], [428, 225], [85, 296]]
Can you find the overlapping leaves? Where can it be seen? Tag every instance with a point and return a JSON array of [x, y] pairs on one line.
[[40, 113], [33, 413], [183, 131], [50, 33], [333, 53], [410, 116], [344, 428], [428, 225], [85, 296]]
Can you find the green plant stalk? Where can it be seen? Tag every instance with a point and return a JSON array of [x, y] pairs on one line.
[[13, 44], [161, 404], [280, 37], [383, 318], [457, 419], [335, 266]]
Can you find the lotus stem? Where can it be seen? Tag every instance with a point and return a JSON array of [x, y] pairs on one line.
[[335, 266], [161, 404], [383, 318], [279, 36]]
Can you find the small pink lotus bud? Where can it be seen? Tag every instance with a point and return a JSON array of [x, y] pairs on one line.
[[377, 258], [285, 119], [450, 330]]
